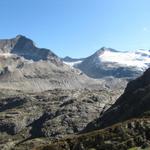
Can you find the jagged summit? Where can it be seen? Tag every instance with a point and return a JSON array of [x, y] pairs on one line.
[[20, 36], [23, 43], [104, 49], [25, 47], [8, 44]]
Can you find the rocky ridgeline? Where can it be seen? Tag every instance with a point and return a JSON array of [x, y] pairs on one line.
[[22, 46], [133, 103], [25, 67], [107, 62]]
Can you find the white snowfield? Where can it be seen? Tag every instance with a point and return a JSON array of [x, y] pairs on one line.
[[139, 59], [72, 64]]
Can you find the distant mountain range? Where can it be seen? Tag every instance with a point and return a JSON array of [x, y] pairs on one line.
[[108, 62], [43, 100], [69, 59], [23, 66], [41, 97], [104, 63]]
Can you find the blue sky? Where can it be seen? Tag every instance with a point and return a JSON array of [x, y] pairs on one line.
[[78, 27]]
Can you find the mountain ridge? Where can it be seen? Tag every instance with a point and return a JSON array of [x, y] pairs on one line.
[[25, 47], [110, 62], [24, 66]]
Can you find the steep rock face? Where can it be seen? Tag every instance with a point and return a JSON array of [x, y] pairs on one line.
[[25, 47], [132, 104]]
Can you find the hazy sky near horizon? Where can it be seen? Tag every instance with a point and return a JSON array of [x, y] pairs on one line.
[[78, 27]]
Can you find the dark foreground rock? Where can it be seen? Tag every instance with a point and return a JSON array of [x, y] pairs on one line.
[[130, 135], [135, 102], [52, 114]]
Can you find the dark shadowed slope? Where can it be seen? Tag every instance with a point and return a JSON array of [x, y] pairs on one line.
[[135, 102]]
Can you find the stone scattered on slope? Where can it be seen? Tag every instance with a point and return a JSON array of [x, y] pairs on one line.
[[53, 114]]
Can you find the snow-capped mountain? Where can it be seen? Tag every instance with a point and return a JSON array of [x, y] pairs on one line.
[[139, 59], [109, 62], [25, 67]]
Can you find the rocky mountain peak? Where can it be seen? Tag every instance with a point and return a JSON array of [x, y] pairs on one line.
[[25, 47], [23, 43], [20, 36], [7, 45], [104, 49]]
